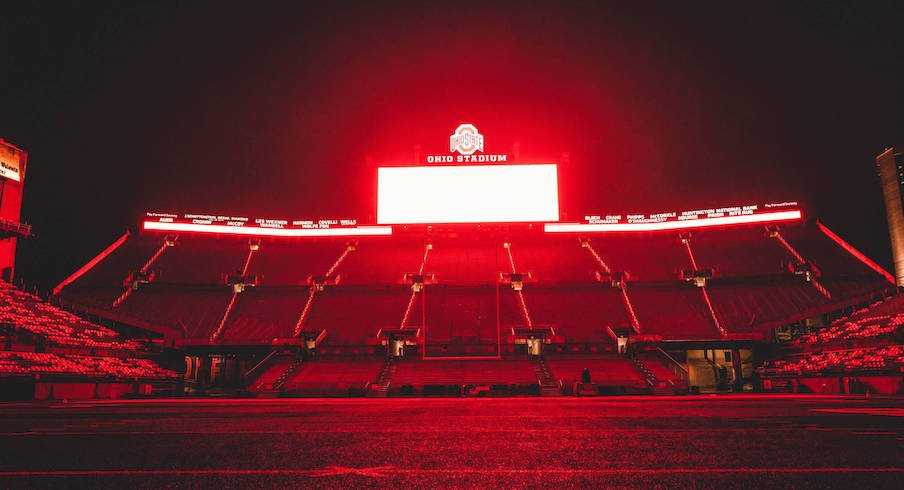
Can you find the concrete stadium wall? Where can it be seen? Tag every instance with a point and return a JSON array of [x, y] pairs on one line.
[[819, 385], [877, 385], [63, 390], [884, 385]]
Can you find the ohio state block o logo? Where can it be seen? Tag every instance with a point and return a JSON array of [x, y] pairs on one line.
[[466, 140]]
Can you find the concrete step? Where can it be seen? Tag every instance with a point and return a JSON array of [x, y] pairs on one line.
[[664, 390]]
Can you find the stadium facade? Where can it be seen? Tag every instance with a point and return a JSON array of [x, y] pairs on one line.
[[468, 278], [469, 283]]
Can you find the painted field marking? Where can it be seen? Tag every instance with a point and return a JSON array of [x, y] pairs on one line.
[[386, 471]]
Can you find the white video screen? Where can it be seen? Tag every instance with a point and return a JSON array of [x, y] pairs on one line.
[[468, 194]]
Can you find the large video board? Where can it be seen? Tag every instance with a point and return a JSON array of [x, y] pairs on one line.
[[468, 194]]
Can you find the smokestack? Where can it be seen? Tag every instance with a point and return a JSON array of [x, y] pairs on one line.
[[890, 166]]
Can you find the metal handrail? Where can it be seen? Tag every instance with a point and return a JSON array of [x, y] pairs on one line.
[[674, 362], [257, 366]]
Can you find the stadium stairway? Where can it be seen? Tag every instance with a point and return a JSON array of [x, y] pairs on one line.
[[295, 366], [661, 380], [261, 377], [380, 387], [548, 384], [644, 372]]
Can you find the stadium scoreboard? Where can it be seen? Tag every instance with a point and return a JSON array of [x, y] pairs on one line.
[[468, 186]]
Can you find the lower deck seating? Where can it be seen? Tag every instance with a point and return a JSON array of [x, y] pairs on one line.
[[32, 363], [440, 372], [888, 358], [324, 375], [605, 370]]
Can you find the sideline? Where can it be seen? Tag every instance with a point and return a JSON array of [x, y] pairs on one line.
[[387, 471]]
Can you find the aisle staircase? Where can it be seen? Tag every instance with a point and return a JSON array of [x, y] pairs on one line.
[[293, 368], [659, 383], [545, 378], [380, 387]]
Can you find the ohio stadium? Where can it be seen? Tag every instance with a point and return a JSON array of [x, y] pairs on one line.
[[451, 245], [466, 284]]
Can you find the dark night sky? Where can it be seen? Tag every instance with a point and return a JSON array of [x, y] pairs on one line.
[[272, 111]]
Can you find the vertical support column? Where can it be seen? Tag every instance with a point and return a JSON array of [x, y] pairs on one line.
[[219, 331], [498, 323], [414, 293], [299, 325], [204, 372], [686, 240], [887, 166], [524, 312], [144, 269], [626, 300], [738, 366], [797, 256]]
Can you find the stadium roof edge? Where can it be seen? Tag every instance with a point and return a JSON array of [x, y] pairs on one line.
[[856, 253], [91, 263]]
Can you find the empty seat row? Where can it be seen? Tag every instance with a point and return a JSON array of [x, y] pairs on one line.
[[853, 361], [28, 312], [879, 320], [31, 363]]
